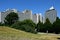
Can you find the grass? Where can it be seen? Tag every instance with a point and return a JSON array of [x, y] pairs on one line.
[[7, 33]]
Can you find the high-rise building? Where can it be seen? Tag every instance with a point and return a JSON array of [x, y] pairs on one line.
[[51, 14], [41, 17], [5, 13], [26, 14], [35, 18]]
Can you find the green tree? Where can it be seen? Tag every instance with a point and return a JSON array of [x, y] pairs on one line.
[[26, 25], [56, 25], [11, 18], [1, 24], [40, 26], [47, 25]]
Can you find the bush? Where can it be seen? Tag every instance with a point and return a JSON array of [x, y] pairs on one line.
[[1, 24], [26, 25]]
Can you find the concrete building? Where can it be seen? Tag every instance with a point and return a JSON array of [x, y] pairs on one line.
[[35, 18], [26, 14], [41, 17], [51, 14], [5, 13], [0, 16]]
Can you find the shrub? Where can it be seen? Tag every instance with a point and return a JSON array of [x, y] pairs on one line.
[[26, 25]]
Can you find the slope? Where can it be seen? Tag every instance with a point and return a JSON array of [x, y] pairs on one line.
[[7, 33]]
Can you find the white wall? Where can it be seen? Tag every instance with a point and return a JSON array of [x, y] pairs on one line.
[[0, 16]]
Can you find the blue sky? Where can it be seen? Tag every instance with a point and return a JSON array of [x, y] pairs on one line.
[[37, 6]]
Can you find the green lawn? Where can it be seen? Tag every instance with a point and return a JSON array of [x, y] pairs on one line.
[[7, 33]]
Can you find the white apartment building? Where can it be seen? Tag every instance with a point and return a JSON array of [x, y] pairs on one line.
[[26, 14], [51, 14]]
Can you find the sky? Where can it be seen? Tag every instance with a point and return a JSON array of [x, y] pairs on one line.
[[37, 6]]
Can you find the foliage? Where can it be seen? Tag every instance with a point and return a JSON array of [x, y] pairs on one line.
[[11, 18], [56, 26], [30, 26], [1, 24], [26, 25], [40, 26], [47, 26]]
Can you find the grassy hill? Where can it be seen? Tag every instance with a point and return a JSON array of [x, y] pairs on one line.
[[7, 33]]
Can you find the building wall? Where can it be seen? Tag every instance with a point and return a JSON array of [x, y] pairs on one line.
[[35, 18], [51, 15], [40, 17], [26, 14], [4, 14], [21, 16], [0, 16]]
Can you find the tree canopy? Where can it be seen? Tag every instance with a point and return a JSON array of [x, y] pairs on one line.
[[47, 25], [39, 26], [26, 25], [56, 26], [11, 18]]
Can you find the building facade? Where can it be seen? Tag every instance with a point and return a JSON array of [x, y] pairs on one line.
[[5, 13], [51, 14], [26, 14]]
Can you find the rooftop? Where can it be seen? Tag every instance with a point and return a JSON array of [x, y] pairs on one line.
[[51, 8]]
